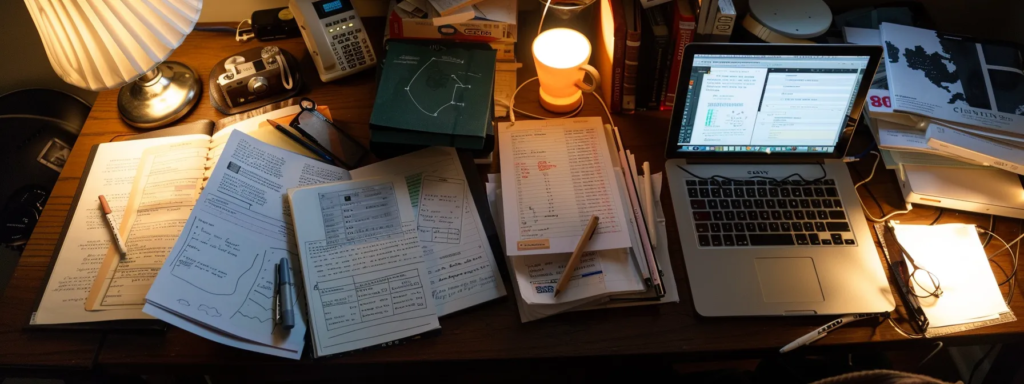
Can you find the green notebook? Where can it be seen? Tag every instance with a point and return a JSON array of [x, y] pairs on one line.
[[435, 93]]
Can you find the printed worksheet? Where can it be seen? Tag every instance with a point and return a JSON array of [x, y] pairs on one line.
[[461, 268], [557, 174], [165, 189], [599, 273], [363, 266], [88, 236], [220, 272]]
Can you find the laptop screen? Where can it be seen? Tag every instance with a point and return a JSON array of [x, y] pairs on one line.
[[768, 103]]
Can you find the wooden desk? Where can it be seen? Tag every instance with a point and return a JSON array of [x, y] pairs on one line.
[[481, 335]]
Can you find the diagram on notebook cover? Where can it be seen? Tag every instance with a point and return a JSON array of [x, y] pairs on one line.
[[434, 80]]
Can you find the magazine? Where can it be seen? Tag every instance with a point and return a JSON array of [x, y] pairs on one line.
[[955, 78]]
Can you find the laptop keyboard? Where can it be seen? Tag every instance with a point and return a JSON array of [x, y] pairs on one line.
[[746, 213]]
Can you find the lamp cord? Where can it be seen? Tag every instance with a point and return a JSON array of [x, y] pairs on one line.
[[542, 14], [512, 110]]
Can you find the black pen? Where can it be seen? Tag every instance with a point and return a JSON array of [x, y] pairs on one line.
[[309, 147], [315, 142]]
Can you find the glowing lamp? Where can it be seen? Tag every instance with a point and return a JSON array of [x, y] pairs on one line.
[[561, 57]]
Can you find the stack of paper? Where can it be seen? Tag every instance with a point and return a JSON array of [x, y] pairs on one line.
[[954, 254], [555, 174]]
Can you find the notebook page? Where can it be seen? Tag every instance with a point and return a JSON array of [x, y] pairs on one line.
[[460, 264], [362, 262], [88, 237], [220, 272], [167, 184], [557, 173]]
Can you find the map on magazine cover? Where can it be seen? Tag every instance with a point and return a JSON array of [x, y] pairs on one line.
[[955, 78]]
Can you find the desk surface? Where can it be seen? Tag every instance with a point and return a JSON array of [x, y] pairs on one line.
[[487, 332]]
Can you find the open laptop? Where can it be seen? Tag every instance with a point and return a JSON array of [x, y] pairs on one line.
[[767, 214]]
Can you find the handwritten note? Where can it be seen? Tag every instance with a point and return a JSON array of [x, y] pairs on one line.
[[559, 173]]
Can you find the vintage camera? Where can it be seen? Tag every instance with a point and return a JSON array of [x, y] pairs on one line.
[[250, 79]]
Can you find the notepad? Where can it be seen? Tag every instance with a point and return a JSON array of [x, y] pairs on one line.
[[557, 173]]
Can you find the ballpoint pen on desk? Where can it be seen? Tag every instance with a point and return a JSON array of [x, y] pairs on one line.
[[577, 254], [276, 300], [315, 142], [824, 330], [309, 147], [121, 248], [285, 294]]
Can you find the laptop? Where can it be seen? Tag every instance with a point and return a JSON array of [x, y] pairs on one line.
[[767, 214]]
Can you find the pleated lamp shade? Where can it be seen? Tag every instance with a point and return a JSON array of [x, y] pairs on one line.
[[104, 44]]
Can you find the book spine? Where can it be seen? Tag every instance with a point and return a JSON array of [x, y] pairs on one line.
[[984, 151], [684, 30], [632, 61], [629, 76], [709, 19], [618, 58], [725, 19]]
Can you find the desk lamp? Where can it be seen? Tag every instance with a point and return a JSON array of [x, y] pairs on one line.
[[102, 45], [561, 56]]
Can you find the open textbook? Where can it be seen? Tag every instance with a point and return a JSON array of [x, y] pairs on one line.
[[158, 180], [219, 274]]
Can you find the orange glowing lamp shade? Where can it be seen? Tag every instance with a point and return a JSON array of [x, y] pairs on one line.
[[561, 57]]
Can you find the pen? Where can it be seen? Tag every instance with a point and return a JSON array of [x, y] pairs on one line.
[[309, 147], [287, 300], [276, 304], [823, 331], [649, 204], [113, 227], [314, 141], [577, 254]]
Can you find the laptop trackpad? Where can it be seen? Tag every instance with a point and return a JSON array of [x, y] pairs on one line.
[[788, 279]]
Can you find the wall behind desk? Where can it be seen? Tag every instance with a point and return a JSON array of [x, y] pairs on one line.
[[25, 64]]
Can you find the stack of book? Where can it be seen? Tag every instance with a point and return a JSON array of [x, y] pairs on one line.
[[430, 96], [489, 21], [641, 46], [945, 100]]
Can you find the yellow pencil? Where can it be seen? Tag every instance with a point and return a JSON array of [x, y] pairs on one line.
[[588, 233]]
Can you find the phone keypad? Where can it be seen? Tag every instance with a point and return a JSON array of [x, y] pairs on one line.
[[349, 43]]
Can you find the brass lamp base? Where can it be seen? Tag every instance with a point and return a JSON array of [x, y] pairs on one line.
[[160, 96]]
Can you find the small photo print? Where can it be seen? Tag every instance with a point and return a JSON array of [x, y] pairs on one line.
[[55, 155], [234, 167]]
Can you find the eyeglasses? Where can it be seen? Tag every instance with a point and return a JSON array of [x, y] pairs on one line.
[[925, 281], [900, 274]]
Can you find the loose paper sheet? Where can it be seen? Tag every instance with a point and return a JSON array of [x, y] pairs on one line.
[[460, 264], [363, 264], [954, 254], [557, 173], [221, 271]]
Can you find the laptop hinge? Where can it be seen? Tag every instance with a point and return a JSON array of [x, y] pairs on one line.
[[734, 160]]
